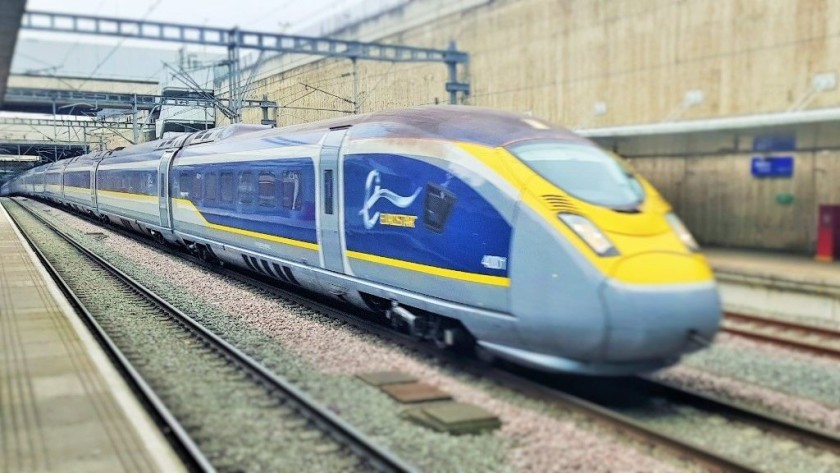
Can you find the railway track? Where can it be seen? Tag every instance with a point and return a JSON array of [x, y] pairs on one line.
[[193, 458], [575, 393], [147, 304], [819, 340]]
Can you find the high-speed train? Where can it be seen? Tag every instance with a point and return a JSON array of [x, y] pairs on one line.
[[460, 224]]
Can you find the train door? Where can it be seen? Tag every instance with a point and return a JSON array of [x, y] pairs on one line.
[[93, 167], [163, 188], [330, 202]]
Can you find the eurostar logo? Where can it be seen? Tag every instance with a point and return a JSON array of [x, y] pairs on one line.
[[397, 220], [373, 192]]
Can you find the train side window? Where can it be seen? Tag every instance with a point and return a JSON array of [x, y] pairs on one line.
[[246, 188], [196, 193], [137, 182], [161, 185], [227, 190], [185, 184], [290, 188], [328, 191], [267, 189], [151, 183], [211, 188], [438, 207], [77, 179]]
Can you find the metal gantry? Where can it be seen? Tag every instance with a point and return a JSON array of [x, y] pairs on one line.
[[115, 99], [46, 149], [65, 122], [62, 98], [236, 39]]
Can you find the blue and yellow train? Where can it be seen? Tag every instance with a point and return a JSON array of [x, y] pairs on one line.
[[457, 223]]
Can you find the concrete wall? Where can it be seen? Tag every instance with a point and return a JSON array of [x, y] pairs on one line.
[[707, 178], [724, 205], [558, 58]]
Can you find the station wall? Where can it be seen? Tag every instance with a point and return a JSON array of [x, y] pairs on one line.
[[557, 58], [724, 205], [708, 179]]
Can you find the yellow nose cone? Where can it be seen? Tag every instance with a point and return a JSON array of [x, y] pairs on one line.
[[662, 268]]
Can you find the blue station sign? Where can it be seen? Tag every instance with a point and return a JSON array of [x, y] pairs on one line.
[[772, 166]]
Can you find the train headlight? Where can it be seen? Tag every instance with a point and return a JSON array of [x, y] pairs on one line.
[[682, 232], [590, 234]]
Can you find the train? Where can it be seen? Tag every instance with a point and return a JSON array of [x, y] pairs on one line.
[[461, 225]]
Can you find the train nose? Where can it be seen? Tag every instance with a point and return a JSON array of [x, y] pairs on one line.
[[661, 320]]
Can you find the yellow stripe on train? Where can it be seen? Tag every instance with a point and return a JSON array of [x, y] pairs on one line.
[[127, 195], [433, 270], [188, 205]]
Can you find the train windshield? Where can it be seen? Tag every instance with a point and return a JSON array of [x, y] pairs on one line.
[[586, 172]]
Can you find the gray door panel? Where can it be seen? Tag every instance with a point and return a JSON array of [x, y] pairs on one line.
[[163, 189], [93, 168], [331, 203]]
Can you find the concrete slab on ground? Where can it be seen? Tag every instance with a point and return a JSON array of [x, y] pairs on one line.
[[382, 378], [415, 392], [454, 417]]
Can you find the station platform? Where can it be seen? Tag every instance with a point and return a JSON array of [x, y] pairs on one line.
[[63, 406], [777, 284]]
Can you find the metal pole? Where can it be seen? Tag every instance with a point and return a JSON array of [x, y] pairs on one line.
[[453, 78], [134, 129], [265, 119], [355, 86], [55, 126], [233, 75], [453, 86]]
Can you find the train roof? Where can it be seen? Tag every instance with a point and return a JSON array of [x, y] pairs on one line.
[[478, 125]]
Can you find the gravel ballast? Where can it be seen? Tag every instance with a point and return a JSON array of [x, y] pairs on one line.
[[215, 401], [788, 371], [797, 408], [322, 355]]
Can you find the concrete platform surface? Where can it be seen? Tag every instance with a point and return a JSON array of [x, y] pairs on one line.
[[779, 266], [63, 406], [792, 287]]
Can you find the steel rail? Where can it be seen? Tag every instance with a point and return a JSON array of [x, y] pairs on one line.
[[778, 339], [530, 388], [527, 385], [173, 431], [377, 457], [516, 382], [805, 434]]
